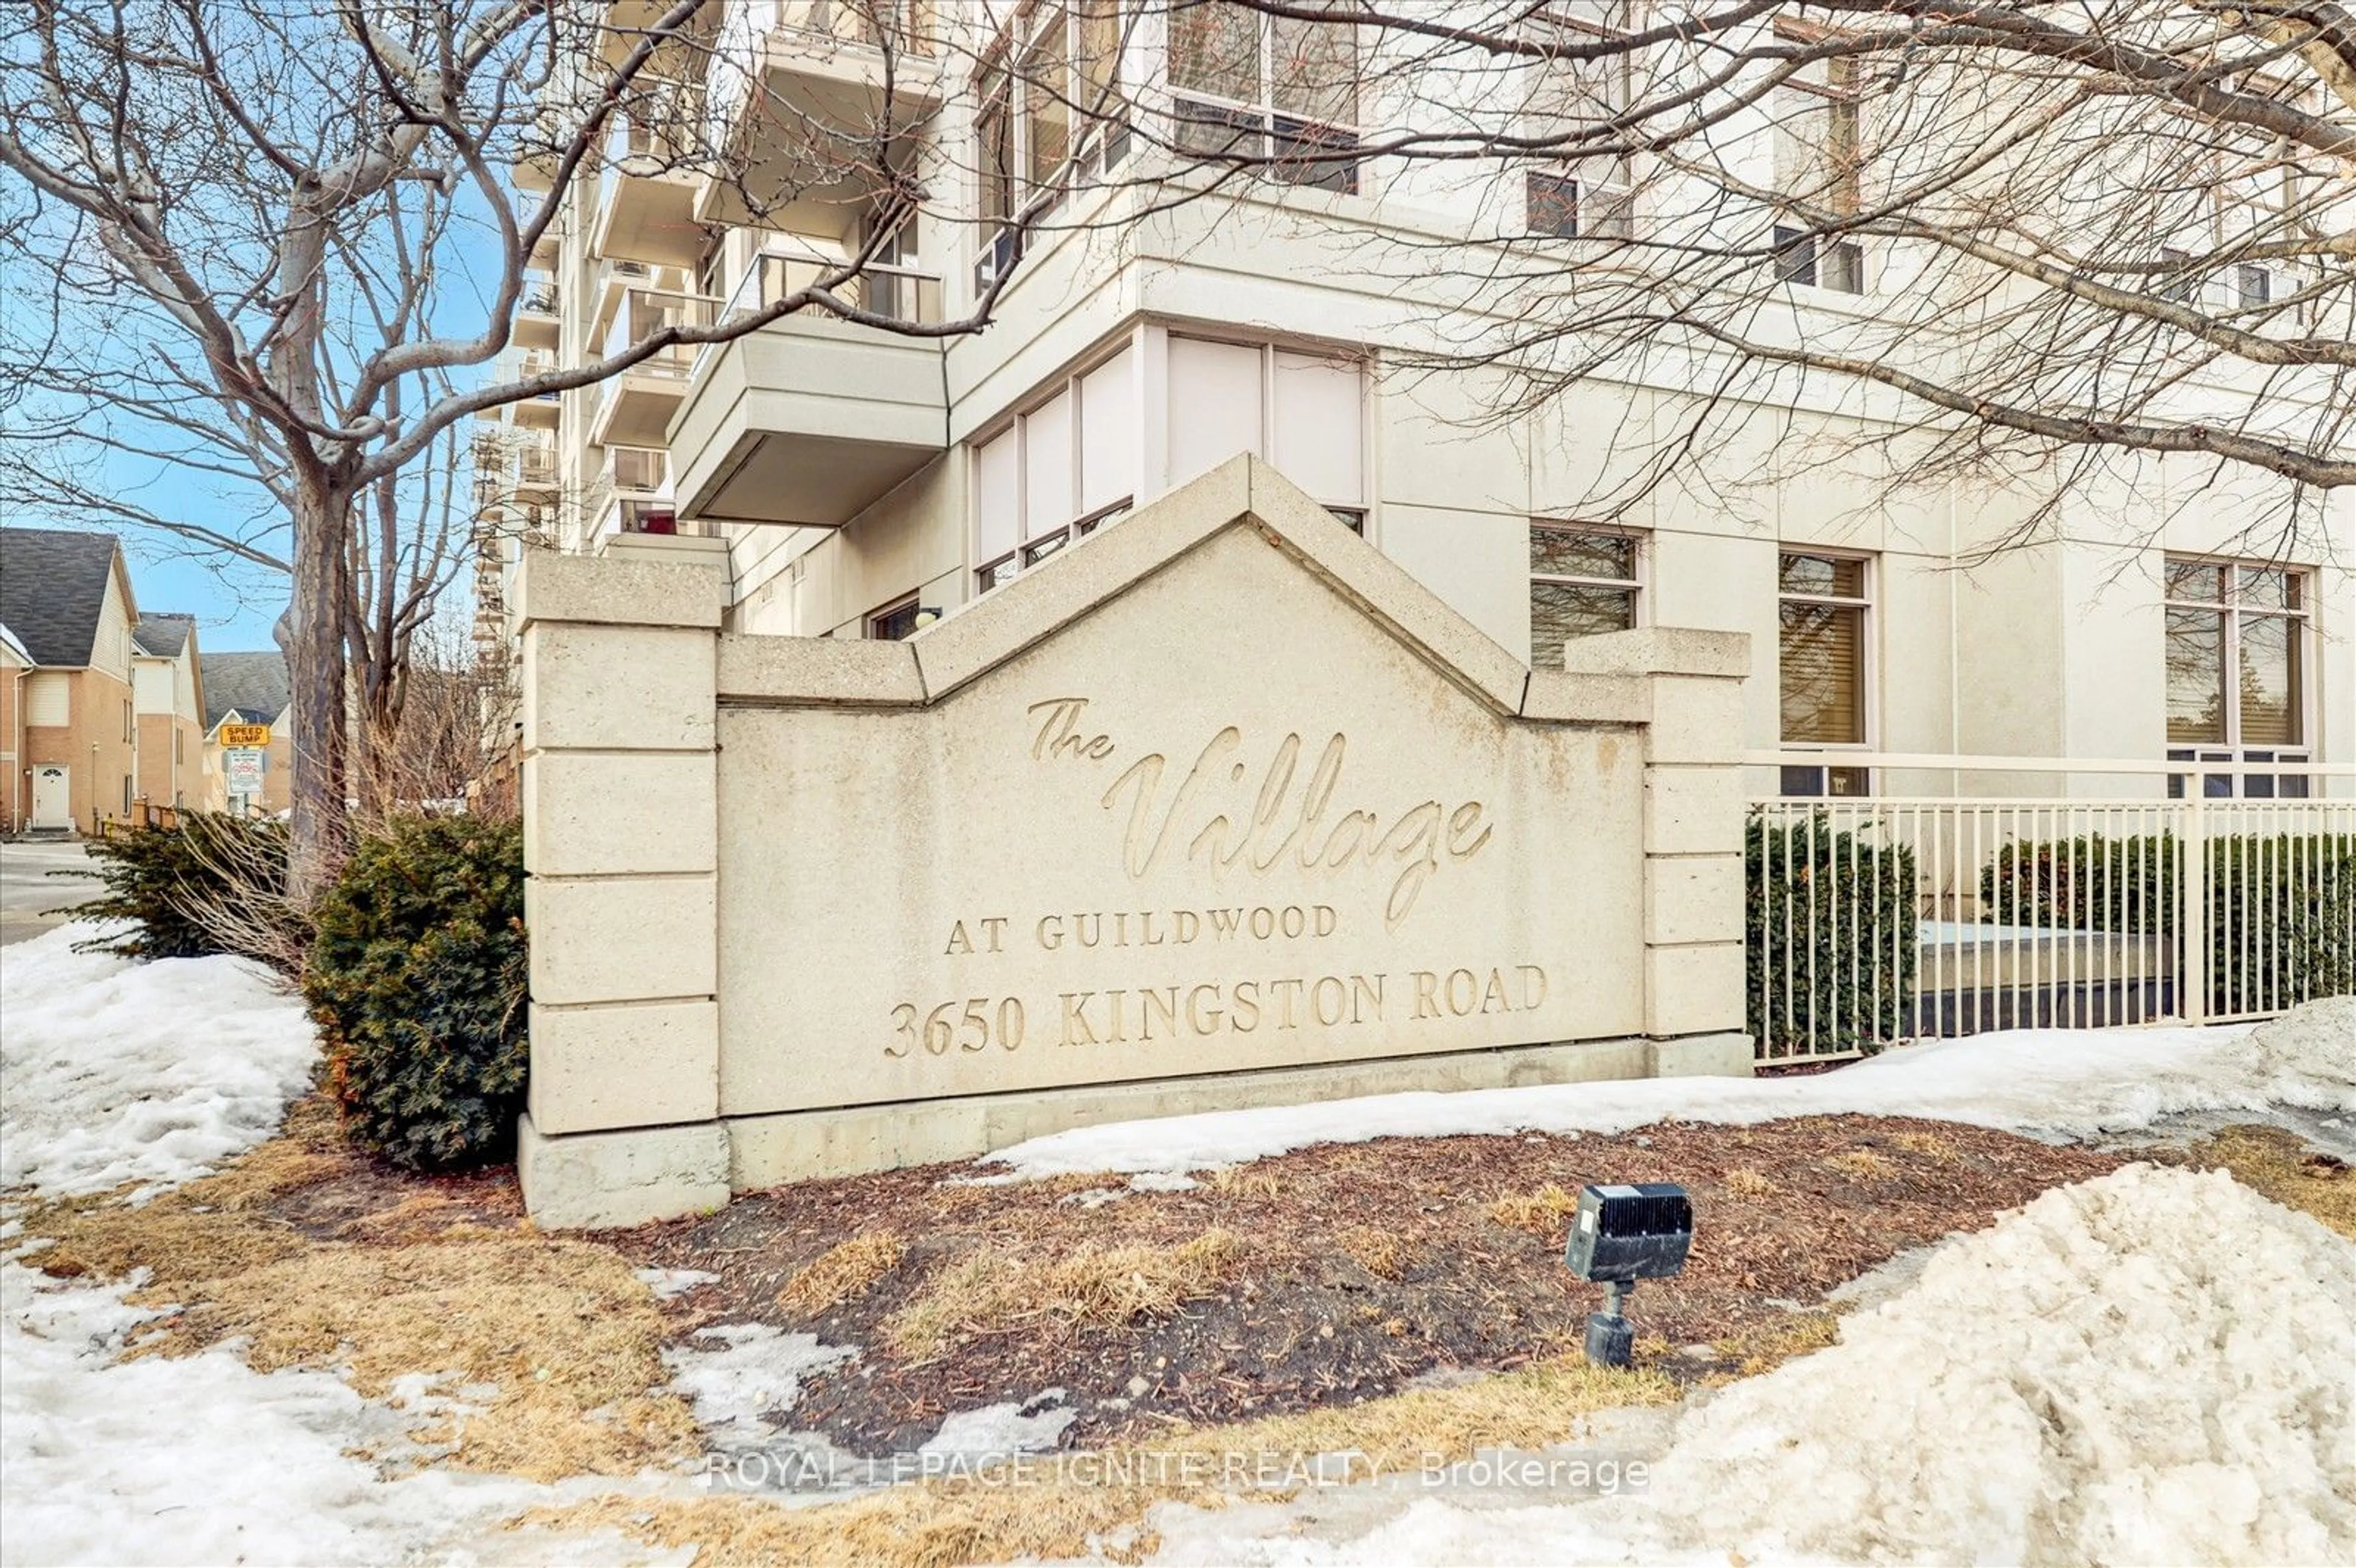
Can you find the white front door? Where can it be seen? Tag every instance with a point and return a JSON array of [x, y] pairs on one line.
[[52, 801]]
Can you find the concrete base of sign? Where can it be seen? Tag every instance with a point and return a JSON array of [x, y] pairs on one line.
[[1703, 1056], [589, 1181], [767, 1151]]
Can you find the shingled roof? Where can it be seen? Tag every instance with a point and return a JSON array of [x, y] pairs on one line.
[[251, 686], [53, 589], [163, 635]]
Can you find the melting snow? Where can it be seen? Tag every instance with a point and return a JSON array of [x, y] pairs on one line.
[[2060, 1082], [120, 1071]]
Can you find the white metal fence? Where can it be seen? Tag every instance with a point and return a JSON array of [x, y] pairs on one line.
[[1875, 921]]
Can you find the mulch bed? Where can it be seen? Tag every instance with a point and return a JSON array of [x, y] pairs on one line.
[[1814, 1202]]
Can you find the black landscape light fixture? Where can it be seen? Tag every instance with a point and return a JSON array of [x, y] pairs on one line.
[[1623, 1233]]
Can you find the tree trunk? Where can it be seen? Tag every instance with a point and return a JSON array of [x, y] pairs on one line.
[[311, 633]]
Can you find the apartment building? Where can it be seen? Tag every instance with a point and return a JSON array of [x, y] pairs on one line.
[[854, 482]]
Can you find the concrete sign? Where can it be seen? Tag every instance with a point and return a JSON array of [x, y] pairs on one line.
[[1219, 808]]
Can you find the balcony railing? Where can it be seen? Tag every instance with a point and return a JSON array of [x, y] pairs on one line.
[[541, 297], [644, 312], [532, 364], [637, 468], [910, 27], [900, 291]]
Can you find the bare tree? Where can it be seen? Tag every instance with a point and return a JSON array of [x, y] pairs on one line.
[[2078, 236], [282, 248], [286, 246]]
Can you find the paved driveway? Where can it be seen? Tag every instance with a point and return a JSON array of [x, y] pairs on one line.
[[28, 892]]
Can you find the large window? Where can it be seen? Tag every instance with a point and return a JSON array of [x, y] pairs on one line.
[[1582, 580], [1819, 161], [1052, 107], [1247, 84], [1590, 195], [1823, 604], [1064, 469], [2236, 671]]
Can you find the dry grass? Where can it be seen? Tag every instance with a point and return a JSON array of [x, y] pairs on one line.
[[1094, 1286], [1746, 1183], [1380, 1253], [1246, 1181], [2274, 1161], [1862, 1164], [562, 1328], [1542, 1212], [1931, 1146], [1769, 1345], [935, 1524], [848, 1269]]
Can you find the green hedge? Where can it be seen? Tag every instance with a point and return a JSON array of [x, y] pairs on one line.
[[204, 887], [2281, 916], [417, 977], [1831, 938]]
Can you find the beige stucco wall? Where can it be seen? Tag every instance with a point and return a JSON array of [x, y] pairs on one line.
[[1225, 798]]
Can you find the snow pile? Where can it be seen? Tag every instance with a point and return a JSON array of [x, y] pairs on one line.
[[2061, 1083], [2151, 1366], [2307, 1057], [2147, 1368], [198, 1459], [120, 1071]]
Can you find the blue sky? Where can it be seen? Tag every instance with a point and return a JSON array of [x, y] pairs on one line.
[[234, 610]]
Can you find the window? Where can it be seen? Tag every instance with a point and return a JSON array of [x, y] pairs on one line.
[[1248, 85], [1591, 195], [2179, 284], [1819, 167], [1067, 467], [1818, 260], [129, 731], [1582, 580], [1822, 666], [898, 622], [2253, 285], [2237, 641], [1052, 104], [1555, 211], [1303, 412]]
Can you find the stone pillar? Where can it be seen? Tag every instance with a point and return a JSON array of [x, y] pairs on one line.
[[1694, 814], [620, 727]]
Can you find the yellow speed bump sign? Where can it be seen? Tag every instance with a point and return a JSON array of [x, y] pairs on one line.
[[245, 735]]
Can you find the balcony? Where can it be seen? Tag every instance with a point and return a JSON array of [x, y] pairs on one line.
[[635, 407], [646, 199], [536, 317], [803, 130], [535, 470], [539, 412], [811, 419]]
